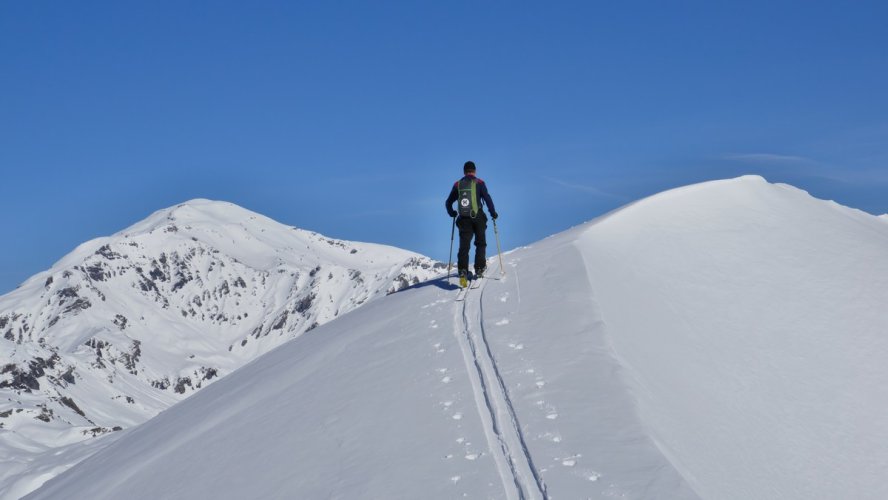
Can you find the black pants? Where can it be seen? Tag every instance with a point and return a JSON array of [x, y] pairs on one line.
[[469, 228]]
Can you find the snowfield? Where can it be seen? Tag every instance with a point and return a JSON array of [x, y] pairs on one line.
[[721, 341], [753, 320]]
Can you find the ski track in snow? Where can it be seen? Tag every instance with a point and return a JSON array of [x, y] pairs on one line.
[[520, 477]]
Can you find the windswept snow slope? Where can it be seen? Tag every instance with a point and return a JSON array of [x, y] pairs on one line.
[[721, 341], [754, 319]]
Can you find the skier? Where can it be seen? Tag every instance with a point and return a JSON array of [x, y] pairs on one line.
[[472, 221]]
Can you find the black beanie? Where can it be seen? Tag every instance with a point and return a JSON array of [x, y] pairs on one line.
[[469, 167]]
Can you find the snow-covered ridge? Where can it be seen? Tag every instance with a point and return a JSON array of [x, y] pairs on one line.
[[719, 341], [127, 325], [254, 239], [750, 318]]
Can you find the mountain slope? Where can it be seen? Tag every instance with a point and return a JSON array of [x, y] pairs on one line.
[[125, 326], [412, 396], [720, 341], [753, 317]]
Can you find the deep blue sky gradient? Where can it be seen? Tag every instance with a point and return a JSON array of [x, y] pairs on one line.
[[353, 119]]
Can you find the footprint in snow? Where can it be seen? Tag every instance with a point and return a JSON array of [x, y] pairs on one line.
[[517, 347], [504, 297], [540, 383], [551, 413], [555, 438], [569, 461], [457, 416], [446, 380], [502, 322]]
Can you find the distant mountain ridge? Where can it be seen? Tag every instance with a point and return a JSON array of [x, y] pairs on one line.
[[127, 325]]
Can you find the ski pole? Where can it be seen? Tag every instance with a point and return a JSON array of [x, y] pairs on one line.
[[498, 251], [450, 256]]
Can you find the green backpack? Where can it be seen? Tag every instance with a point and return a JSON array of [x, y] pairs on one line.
[[468, 198]]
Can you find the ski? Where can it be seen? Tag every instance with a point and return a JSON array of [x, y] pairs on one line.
[[461, 295], [476, 283]]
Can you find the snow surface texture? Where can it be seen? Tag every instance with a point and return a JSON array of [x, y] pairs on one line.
[[753, 319], [129, 325], [720, 341]]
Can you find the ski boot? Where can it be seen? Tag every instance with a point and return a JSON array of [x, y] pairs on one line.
[[479, 272], [463, 278]]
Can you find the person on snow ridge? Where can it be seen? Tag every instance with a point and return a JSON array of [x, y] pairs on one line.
[[469, 192]]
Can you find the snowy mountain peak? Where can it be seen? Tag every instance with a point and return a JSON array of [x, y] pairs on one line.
[[696, 193], [722, 202], [126, 325], [200, 212], [253, 238]]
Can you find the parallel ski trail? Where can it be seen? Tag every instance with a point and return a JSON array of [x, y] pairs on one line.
[[521, 480], [514, 425]]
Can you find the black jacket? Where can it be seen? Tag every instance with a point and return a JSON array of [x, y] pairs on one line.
[[481, 193]]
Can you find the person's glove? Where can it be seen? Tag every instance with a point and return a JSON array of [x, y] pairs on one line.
[[494, 215], [452, 213]]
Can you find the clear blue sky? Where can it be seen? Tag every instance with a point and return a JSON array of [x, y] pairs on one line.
[[353, 119]]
